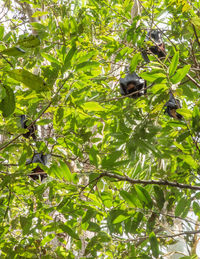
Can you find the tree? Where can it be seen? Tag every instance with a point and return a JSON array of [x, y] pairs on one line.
[[122, 177]]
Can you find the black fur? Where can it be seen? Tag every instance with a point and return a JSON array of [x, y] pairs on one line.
[[31, 130], [132, 83], [171, 107]]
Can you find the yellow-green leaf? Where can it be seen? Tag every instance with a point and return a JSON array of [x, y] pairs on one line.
[[30, 80], [15, 52], [31, 41], [174, 64], [92, 106], [180, 74]]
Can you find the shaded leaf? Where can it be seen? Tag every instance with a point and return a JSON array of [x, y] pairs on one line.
[[144, 196], [66, 229], [159, 195], [7, 105], [154, 244]]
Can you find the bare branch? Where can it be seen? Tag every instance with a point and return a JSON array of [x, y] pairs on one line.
[[195, 33], [193, 80], [146, 182]]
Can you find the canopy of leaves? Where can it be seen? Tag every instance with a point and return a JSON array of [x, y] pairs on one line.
[[121, 173]]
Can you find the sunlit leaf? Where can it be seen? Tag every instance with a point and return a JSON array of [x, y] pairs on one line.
[[30, 80], [180, 74], [92, 106], [31, 41], [15, 52], [174, 64]]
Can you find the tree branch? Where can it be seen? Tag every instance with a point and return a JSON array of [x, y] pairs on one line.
[[193, 80], [139, 240], [195, 33], [146, 182]]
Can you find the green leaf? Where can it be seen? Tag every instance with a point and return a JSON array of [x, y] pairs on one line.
[[180, 206], [50, 58], [47, 239], [136, 221], [120, 218], [39, 13], [151, 77], [26, 223], [60, 171], [189, 160], [65, 172], [151, 222], [154, 244], [58, 115], [29, 80], [7, 105], [69, 231], [185, 112], [196, 21], [15, 52], [180, 74], [196, 208], [93, 155], [1, 32], [134, 62], [68, 58], [44, 122], [159, 195], [31, 41], [144, 196], [92, 107], [89, 215], [84, 66], [174, 64], [54, 171], [129, 198]]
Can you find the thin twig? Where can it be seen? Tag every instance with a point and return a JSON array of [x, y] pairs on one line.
[[195, 33], [193, 80]]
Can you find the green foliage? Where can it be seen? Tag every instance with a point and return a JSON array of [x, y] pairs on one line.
[[60, 66], [7, 104]]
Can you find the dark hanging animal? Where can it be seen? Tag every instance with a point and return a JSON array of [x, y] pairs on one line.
[[132, 84], [38, 173], [157, 49], [24, 125], [171, 106]]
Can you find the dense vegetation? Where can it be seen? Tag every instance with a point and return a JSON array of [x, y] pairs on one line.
[[123, 178]]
